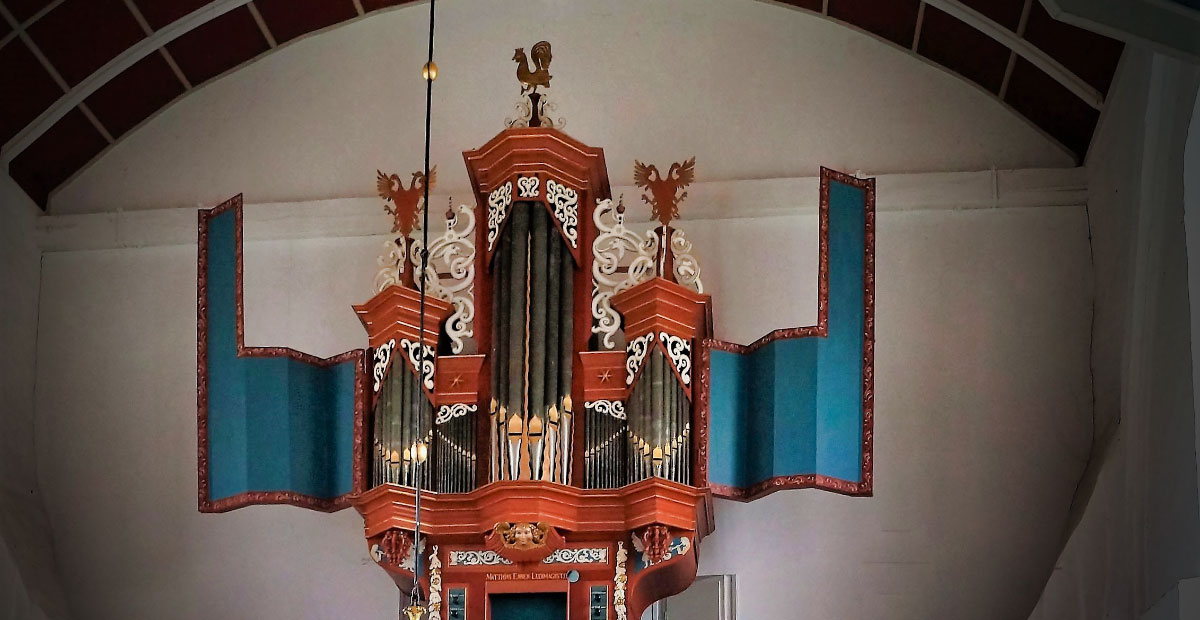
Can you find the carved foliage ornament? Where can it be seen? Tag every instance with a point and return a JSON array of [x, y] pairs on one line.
[[446, 413], [450, 274], [614, 408], [620, 578], [565, 203], [499, 202], [435, 586], [623, 259], [679, 350], [414, 357], [383, 357]]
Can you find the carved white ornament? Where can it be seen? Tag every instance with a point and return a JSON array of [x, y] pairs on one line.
[[679, 546], [410, 561], [619, 580], [414, 356], [383, 355], [680, 352], [687, 268], [391, 263], [635, 353], [527, 187], [565, 202], [587, 555], [435, 586], [615, 247], [614, 408], [449, 412], [499, 202], [484, 557], [452, 257]]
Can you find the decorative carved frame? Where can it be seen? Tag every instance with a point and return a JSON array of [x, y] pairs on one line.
[[821, 329], [360, 384]]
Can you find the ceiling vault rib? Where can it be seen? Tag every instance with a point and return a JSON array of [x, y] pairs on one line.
[[75, 96], [824, 7], [18, 28], [162, 51], [358, 7], [1025, 49], [1012, 56], [83, 107], [262, 25], [920, 22]]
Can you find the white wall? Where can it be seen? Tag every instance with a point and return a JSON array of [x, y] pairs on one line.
[[27, 568], [1139, 536], [982, 400], [752, 89]]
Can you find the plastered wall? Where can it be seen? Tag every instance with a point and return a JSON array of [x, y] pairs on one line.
[[982, 391]]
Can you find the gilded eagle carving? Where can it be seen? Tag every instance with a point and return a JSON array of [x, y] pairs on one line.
[[537, 74], [404, 200], [666, 192]]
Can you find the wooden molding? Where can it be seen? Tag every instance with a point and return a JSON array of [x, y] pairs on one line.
[[590, 512], [395, 312], [659, 305]]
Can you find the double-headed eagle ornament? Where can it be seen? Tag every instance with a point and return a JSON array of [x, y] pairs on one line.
[[666, 192], [404, 201]]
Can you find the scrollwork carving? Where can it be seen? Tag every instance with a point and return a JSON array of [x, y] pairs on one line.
[[392, 263], [616, 247], [565, 203], [527, 187], [614, 408], [635, 353], [449, 412], [451, 273], [499, 202], [680, 352], [414, 356], [687, 268]]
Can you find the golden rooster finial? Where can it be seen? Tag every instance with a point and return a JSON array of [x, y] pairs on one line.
[[538, 74], [665, 192], [404, 201]]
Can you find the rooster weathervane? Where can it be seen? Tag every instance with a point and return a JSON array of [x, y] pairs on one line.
[[539, 73], [533, 72]]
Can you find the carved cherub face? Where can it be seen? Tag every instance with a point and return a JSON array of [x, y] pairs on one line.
[[523, 535]]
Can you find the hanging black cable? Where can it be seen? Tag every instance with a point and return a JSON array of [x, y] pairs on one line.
[[429, 72]]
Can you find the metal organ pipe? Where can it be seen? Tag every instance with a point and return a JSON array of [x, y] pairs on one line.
[[532, 348]]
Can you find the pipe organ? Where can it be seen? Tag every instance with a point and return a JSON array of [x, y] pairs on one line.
[[554, 441], [541, 416]]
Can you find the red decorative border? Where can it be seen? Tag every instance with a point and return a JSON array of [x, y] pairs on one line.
[[360, 384], [821, 329]]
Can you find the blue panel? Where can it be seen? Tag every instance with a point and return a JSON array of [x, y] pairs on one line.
[[795, 406], [275, 424], [728, 413]]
